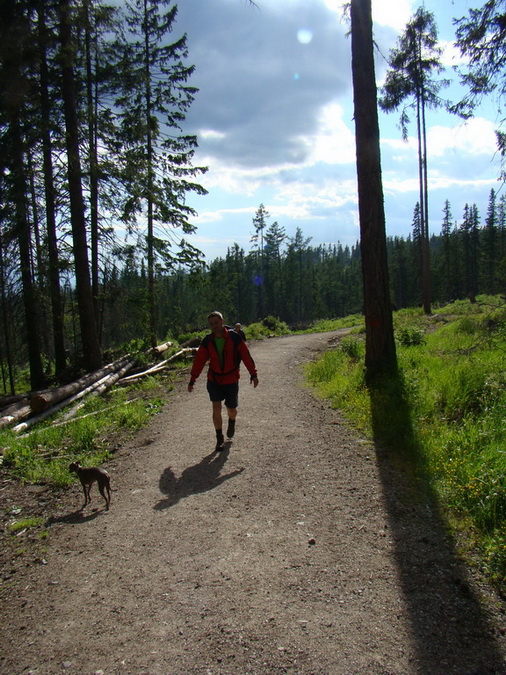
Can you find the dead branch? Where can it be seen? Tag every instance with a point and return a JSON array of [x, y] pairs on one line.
[[157, 367], [82, 417]]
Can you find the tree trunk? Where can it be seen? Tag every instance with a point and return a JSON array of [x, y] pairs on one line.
[[380, 344], [24, 240], [89, 334], [93, 160], [52, 240], [5, 320], [426, 286]]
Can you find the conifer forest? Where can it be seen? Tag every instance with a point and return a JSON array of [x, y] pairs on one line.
[[92, 122]]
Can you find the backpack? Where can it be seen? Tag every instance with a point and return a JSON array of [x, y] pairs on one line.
[[236, 339]]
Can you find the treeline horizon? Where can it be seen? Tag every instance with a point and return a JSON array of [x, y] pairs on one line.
[[287, 278], [94, 101], [280, 276]]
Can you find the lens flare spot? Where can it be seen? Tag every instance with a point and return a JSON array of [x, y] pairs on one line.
[[304, 36]]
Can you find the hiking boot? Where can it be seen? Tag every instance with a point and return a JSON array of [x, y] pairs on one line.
[[219, 441], [231, 429]]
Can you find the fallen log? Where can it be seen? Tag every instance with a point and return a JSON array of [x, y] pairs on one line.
[[95, 412], [160, 348], [100, 387], [192, 342], [97, 387], [149, 371], [157, 367], [9, 399], [43, 400], [15, 414]]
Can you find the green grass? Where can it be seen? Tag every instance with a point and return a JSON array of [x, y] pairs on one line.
[[43, 454], [453, 380], [25, 524], [355, 321], [268, 327]]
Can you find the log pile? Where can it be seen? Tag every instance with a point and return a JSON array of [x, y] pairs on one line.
[[100, 385], [23, 412]]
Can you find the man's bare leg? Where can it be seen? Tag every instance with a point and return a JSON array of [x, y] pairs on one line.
[[232, 414], [218, 423]]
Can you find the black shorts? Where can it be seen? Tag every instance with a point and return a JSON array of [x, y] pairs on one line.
[[224, 392]]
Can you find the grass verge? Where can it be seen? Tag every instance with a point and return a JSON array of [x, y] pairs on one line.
[[44, 454], [452, 370]]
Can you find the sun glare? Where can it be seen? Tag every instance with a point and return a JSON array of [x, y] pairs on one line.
[[304, 36]]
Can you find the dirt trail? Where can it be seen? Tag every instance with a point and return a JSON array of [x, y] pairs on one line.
[[297, 550]]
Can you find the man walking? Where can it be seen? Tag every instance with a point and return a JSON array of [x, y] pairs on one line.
[[238, 329], [224, 350]]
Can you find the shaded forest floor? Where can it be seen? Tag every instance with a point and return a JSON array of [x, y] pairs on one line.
[[299, 549]]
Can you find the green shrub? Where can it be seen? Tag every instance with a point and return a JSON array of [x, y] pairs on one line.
[[352, 347], [268, 327], [408, 337], [468, 325]]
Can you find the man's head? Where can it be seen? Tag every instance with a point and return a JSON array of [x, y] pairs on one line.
[[216, 323], [238, 326]]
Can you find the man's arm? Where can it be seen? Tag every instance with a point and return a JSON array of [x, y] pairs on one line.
[[248, 362], [199, 362]]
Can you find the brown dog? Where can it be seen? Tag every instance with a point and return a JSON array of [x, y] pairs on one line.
[[88, 477]]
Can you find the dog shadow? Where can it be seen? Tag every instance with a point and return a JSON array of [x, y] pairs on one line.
[[202, 477], [76, 517]]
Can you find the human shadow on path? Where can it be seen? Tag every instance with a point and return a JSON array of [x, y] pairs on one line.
[[201, 477], [451, 632]]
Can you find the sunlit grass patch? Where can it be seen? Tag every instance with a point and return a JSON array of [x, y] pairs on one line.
[[454, 384], [43, 454], [327, 325], [339, 377], [25, 524]]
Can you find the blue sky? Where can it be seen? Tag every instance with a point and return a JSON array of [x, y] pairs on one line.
[[274, 118]]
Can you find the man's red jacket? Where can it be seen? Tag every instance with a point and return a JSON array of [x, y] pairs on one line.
[[233, 352]]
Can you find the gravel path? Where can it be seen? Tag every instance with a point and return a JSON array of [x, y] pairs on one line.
[[297, 550]]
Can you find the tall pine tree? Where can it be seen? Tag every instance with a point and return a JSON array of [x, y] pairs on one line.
[[410, 83], [156, 156]]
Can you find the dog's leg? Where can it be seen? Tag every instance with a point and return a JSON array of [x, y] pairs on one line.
[[103, 486]]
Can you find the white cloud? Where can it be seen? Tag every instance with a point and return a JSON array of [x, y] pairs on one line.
[[393, 14], [211, 134], [264, 74], [474, 137], [451, 55], [274, 119], [334, 141], [220, 214]]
